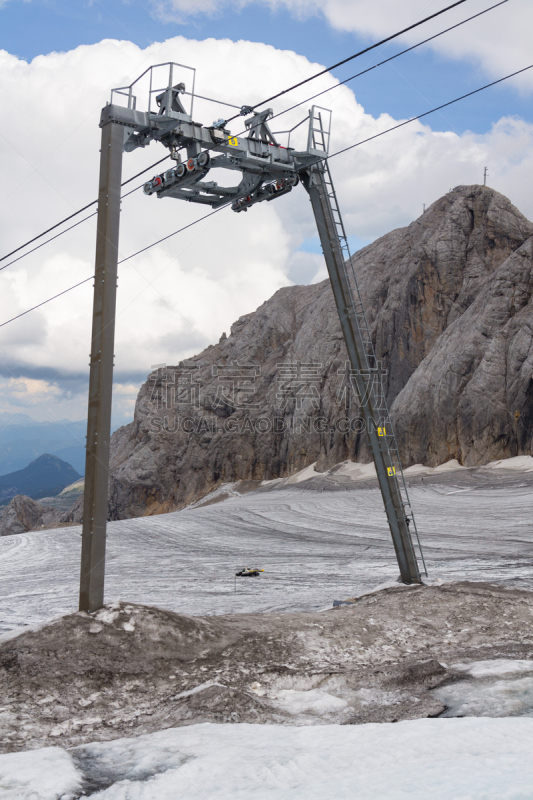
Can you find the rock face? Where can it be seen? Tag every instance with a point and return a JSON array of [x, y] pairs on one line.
[[24, 514], [472, 397], [449, 303]]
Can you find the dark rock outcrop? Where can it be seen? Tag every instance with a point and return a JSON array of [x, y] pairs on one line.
[[23, 514], [449, 303]]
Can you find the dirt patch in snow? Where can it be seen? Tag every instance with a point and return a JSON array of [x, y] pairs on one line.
[[129, 669]]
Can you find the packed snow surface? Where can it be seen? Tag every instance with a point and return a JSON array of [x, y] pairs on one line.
[[46, 774], [503, 698], [463, 759], [494, 667], [502, 687], [321, 539]]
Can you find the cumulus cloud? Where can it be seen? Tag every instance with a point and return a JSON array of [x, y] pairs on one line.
[[497, 42], [178, 297]]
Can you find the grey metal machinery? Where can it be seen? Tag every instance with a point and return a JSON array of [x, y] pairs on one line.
[[266, 170]]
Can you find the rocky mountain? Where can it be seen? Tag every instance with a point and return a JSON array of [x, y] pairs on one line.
[[449, 303], [24, 514], [46, 475], [23, 439]]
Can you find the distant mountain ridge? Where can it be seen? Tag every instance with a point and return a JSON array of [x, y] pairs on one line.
[[15, 419], [44, 477], [22, 440]]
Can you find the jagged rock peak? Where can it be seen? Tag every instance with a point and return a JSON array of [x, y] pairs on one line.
[[449, 303]]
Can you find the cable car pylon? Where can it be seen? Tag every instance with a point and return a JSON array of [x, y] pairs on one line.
[[365, 372], [267, 170]]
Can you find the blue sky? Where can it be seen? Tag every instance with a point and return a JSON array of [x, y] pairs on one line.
[[181, 295], [407, 86]]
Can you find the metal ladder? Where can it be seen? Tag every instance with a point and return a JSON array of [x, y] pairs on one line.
[[319, 140]]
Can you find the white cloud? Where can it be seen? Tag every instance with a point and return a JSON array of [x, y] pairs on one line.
[[498, 42], [180, 295], [181, 10]]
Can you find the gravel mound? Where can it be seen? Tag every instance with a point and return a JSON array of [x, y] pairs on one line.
[[131, 669]]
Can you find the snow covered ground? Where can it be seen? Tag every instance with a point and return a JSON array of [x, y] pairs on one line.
[[451, 759], [318, 540]]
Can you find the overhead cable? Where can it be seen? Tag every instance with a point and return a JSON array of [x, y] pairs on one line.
[[285, 91], [75, 214], [333, 155], [148, 247], [46, 301], [91, 277], [386, 61], [66, 230], [431, 111], [350, 58]]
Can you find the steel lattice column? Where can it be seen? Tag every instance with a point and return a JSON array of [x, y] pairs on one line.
[[315, 185]]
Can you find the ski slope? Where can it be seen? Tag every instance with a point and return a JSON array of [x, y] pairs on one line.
[[317, 539]]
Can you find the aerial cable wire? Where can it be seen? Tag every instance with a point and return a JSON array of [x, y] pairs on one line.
[[75, 214], [431, 111], [381, 63], [51, 239], [249, 109], [273, 97], [66, 230], [148, 247], [23, 313], [333, 155], [91, 277]]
